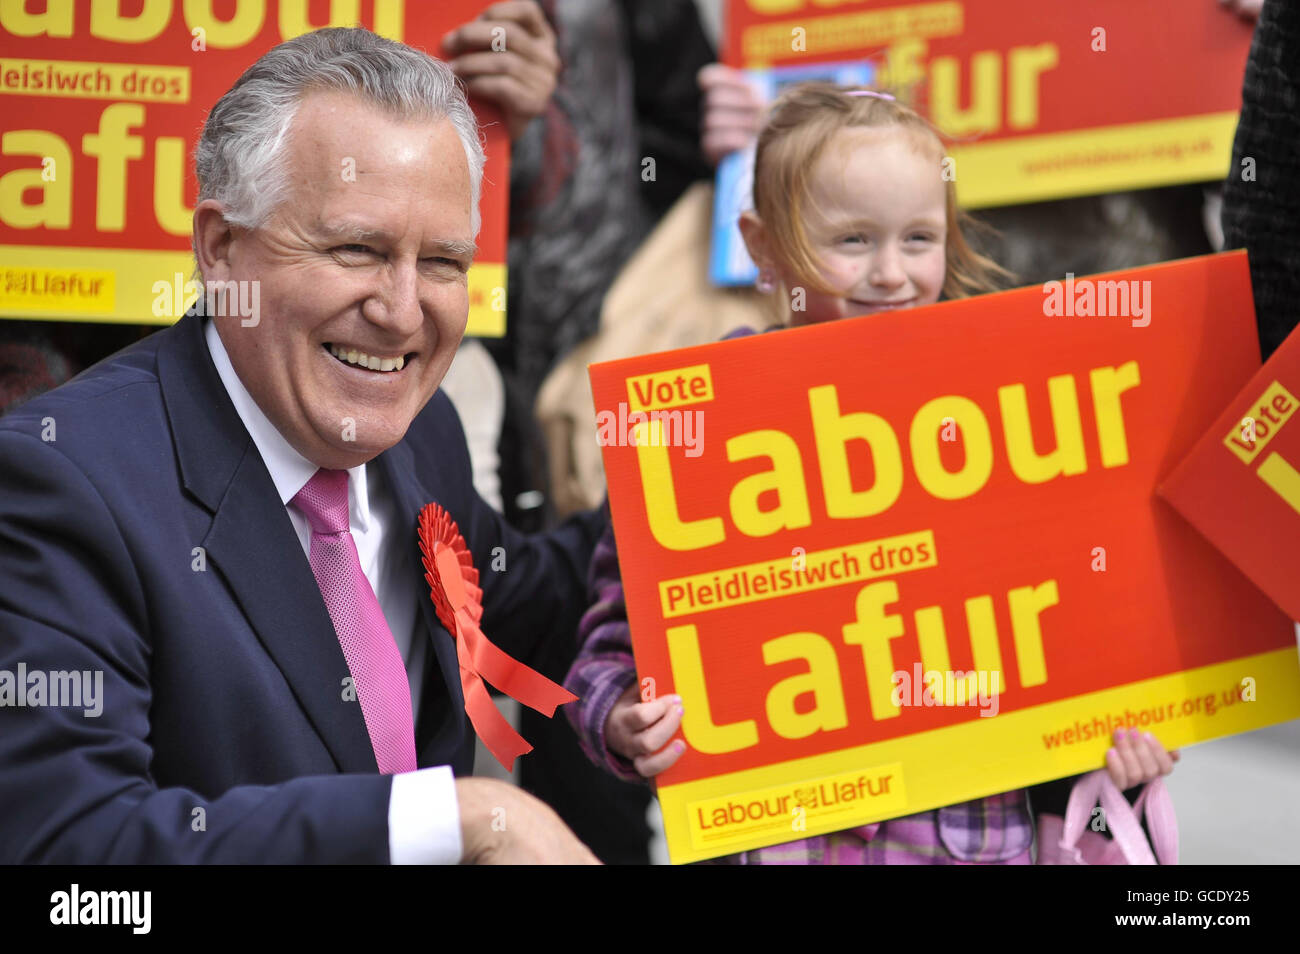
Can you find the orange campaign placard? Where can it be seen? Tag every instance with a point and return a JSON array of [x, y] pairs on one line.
[[102, 105], [902, 561], [1240, 485], [1040, 100]]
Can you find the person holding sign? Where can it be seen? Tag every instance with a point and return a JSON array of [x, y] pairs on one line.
[[850, 218]]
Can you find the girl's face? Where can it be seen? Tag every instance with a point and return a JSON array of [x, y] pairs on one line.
[[877, 225]]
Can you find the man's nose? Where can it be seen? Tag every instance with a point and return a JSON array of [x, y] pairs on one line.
[[886, 269], [396, 303]]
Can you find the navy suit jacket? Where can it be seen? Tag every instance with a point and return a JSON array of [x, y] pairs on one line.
[[222, 676]]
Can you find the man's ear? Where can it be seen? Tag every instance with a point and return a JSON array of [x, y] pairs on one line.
[[212, 239]]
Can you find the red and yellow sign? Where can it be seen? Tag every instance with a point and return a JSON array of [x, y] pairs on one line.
[[102, 105], [902, 561], [1041, 100], [1240, 486]]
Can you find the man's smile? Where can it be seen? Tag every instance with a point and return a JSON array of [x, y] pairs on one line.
[[385, 364]]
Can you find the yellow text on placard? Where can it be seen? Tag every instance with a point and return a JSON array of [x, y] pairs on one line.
[[1278, 473], [1258, 426], [38, 290], [89, 80], [849, 32], [798, 573], [824, 802], [673, 387]]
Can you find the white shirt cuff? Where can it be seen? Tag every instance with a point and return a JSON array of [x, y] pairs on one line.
[[424, 818]]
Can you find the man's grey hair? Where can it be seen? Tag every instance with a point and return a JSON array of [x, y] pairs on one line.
[[240, 158]]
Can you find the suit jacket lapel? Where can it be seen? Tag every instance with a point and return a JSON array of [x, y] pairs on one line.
[[252, 543], [441, 725]]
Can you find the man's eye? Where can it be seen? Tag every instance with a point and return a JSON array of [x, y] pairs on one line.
[[353, 249], [444, 262]]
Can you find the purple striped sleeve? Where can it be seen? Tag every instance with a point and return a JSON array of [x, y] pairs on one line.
[[604, 667]]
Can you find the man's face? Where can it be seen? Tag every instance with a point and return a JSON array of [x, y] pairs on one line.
[[366, 255]]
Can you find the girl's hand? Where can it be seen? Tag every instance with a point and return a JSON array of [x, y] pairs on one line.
[[1137, 758], [641, 731]]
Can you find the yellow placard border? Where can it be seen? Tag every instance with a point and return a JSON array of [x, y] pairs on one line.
[[1005, 752], [137, 270], [991, 174]]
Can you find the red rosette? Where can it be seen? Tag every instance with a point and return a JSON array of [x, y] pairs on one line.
[[457, 599], [437, 532]]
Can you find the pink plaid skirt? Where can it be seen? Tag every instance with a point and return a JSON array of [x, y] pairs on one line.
[[997, 830]]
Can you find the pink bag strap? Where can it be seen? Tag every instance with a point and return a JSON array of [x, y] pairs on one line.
[[1078, 811], [1124, 826], [1122, 819], [1162, 823]]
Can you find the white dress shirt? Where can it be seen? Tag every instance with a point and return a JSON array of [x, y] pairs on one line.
[[423, 817]]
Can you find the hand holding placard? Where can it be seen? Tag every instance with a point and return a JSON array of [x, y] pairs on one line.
[[642, 731]]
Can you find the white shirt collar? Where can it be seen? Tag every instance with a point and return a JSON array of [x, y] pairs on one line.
[[289, 470]]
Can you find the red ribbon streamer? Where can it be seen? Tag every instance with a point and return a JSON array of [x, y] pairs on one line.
[[453, 586]]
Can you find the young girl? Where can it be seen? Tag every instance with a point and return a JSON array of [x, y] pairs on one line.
[[852, 215]]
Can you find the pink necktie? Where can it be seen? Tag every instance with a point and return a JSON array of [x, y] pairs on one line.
[[368, 646]]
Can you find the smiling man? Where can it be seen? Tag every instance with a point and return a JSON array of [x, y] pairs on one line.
[[222, 519], [363, 268]]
